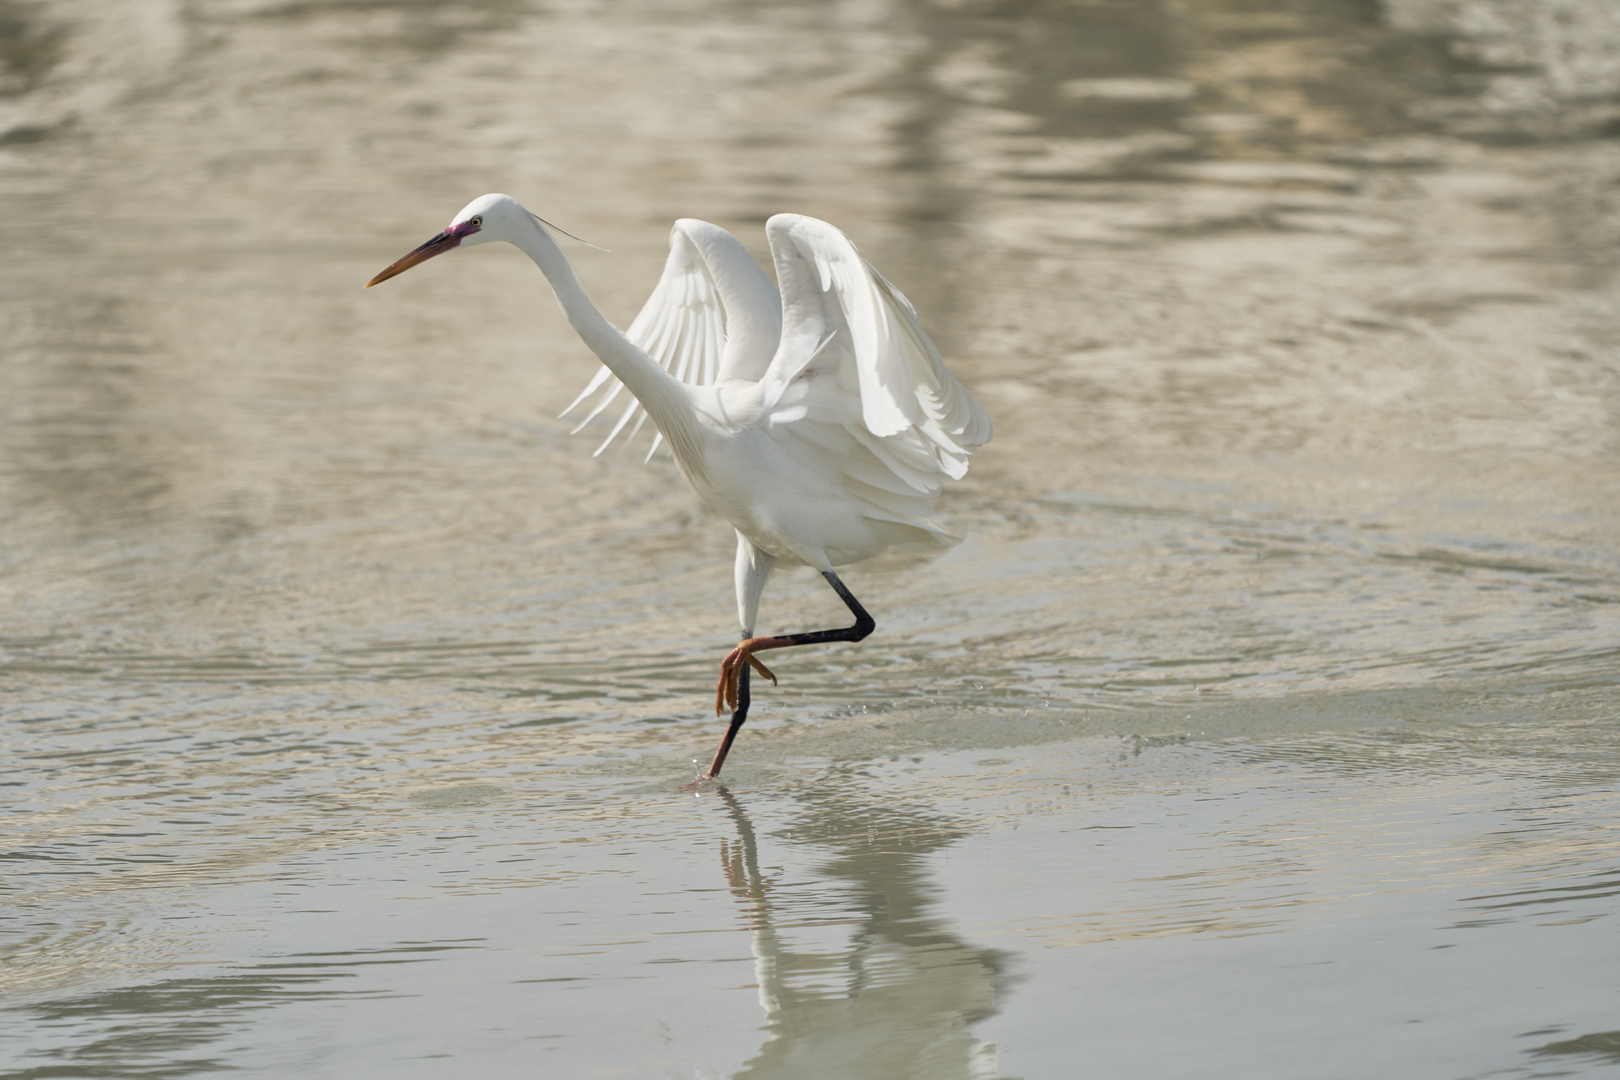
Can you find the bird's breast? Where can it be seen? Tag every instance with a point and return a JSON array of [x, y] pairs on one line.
[[784, 500]]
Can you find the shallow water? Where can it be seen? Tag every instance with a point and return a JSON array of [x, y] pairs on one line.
[[1264, 724]]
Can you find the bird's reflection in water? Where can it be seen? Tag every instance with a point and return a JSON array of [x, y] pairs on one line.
[[897, 994]]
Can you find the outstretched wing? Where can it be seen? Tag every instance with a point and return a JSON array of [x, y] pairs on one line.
[[713, 315], [854, 355]]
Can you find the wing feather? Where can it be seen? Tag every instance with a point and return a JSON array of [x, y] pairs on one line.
[[713, 314], [907, 410]]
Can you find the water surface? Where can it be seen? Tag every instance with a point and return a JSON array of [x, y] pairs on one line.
[[1264, 724]]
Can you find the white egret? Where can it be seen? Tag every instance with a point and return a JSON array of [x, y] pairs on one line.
[[814, 415]]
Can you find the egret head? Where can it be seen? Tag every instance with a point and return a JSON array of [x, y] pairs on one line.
[[486, 218]]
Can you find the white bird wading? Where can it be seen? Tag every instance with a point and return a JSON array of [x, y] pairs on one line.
[[814, 415]]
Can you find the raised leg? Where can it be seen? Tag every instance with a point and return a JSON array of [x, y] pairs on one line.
[[733, 689]]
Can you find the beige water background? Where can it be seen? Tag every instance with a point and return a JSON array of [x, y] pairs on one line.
[[1265, 725]]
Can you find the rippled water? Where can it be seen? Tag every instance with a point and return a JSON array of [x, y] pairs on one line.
[[1265, 724]]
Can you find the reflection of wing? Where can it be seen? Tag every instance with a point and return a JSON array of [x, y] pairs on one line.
[[713, 314], [854, 356]]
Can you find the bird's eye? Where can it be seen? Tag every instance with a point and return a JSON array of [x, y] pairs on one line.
[[476, 222]]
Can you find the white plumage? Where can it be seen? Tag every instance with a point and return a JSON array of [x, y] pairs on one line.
[[814, 415]]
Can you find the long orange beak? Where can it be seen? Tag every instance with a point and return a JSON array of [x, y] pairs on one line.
[[448, 240]]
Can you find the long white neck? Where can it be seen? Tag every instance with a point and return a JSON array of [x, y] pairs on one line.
[[663, 396]]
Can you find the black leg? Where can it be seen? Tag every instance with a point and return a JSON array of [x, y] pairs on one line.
[[737, 719], [864, 624], [738, 661]]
